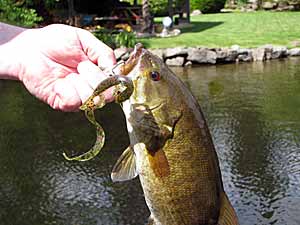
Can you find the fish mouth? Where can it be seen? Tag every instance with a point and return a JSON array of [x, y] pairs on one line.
[[157, 106], [133, 59]]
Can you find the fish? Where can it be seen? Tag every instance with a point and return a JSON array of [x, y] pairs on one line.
[[171, 149], [122, 91]]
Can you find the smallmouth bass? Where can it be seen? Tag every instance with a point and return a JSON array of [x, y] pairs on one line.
[[171, 148]]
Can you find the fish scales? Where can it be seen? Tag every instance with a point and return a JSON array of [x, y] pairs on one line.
[[171, 149]]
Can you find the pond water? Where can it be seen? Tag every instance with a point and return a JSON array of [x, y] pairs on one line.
[[253, 112]]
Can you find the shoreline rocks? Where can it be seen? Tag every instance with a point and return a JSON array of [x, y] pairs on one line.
[[186, 56]]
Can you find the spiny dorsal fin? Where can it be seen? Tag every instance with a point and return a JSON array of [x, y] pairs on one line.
[[227, 214], [125, 168]]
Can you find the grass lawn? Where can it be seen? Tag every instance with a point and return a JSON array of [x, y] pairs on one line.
[[226, 29]]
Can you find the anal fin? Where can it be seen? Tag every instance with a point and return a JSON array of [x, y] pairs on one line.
[[125, 168], [227, 214]]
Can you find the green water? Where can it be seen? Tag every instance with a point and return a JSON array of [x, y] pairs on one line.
[[253, 111]]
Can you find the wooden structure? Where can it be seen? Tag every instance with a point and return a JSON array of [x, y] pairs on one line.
[[183, 10]]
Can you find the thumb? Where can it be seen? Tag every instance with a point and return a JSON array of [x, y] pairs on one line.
[[98, 52]]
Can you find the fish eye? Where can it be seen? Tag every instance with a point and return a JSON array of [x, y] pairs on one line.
[[155, 76]]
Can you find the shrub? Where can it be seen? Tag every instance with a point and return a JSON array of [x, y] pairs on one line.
[[159, 7], [12, 13], [116, 38], [208, 6]]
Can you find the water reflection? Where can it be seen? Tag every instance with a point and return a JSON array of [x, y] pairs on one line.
[[253, 111]]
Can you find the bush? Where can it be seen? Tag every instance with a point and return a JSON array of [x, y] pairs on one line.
[[12, 13], [208, 6], [116, 38], [159, 7]]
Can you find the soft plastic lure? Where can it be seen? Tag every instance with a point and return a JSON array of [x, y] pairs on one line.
[[123, 90]]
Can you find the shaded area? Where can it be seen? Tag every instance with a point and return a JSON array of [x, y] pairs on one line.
[[198, 26]]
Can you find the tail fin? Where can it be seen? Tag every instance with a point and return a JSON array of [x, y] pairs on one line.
[[227, 214]]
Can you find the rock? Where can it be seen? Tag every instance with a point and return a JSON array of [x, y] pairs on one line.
[[244, 55], [196, 12], [119, 52], [202, 55], [279, 52], [258, 54], [244, 51], [282, 4], [294, 52], [172, 52], [268, 51], [188, 63], [295, 43], [226, 55], [227, 10], [159, 52], [245, 58], [268, 5], [254, 6], [178, 61], [235, 47]]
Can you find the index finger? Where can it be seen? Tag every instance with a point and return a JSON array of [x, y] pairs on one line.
[[98, 52]]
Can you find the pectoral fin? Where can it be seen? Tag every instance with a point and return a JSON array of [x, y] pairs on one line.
[[159, 163], [227, 214], [125, 168]]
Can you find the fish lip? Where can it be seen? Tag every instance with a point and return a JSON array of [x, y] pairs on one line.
[[154, 107], [157, 106]]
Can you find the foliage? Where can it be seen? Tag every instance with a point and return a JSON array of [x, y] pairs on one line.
[[11, 12], [116, 38], [208, 6], [159, 7]]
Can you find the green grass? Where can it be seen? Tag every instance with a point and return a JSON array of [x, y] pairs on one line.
[[226, 29]]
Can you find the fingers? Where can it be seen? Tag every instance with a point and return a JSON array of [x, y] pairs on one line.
[[97, 51], [64, 96], [92, 75]]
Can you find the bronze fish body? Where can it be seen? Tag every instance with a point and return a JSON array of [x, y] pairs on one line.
[[171, 149]]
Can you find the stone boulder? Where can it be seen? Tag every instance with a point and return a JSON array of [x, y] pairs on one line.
[[279, 52], [294, 52], [259, 54], [202, 56], [268, 51], [268, 5], [226, 55], [173, 52], [178, 61], [196, 12], [159, 52], [295, 43], [244, 55]]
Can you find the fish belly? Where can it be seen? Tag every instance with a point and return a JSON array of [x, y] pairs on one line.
[[190, 194]]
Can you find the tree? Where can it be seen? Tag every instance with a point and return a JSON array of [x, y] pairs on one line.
[[147, 21]]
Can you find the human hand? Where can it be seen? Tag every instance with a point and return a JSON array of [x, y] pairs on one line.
[[60, 64]]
